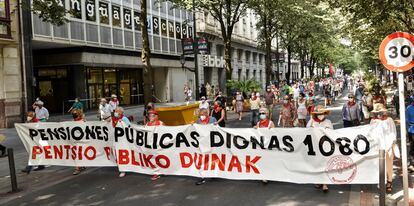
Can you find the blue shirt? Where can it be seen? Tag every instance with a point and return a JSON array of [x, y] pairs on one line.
[[409, 116], [210, 121]]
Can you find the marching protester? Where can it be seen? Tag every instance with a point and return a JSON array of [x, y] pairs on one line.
[[319, 120], [265, 121], [114, 103], [351, 112], [302, 110], [384, 127], [76, 105], [254, 108], [409, 116], [239, 104], [287, 114], [41, 112], [203, 91], [120, 120], [269, 100], [31, 118], [104, 112], [204, 104], [150, 106], [154, 121], [359, 93], [219, 114], [221, 99], [204, 119], [78, 116]]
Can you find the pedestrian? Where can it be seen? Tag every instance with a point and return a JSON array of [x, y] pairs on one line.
[[186, 92], [254, 102], [150, 106], [78, 116], [219, 114], [302, 110], [31, 118], [319, 120], [120, 120], [189, 94], [41, 112], [239, 104], [384, 127], [395, 102], [154, 121], [409, 116], [269, 100], [203, 91], [105, 110], [327, 92], [359, 93], [367, 105], [296, 92], [204, 104], [222, 99], [204, 119], [114, 103], [351, 112], [287, 114], [76, 105]]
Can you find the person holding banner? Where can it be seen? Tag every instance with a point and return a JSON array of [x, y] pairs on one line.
[[219, 114], [351, 112], [204, 119], [31, 118], [150, 106], [119, 120], [264, 121], [78, 116], [384, 126], [319, 120]]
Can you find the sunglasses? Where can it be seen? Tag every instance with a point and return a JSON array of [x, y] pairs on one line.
[[350, 97], [262, 113]]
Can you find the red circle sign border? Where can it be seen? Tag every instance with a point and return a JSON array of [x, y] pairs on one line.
[[382, 51]]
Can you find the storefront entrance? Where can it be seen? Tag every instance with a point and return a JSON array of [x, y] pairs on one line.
[[53, 87]]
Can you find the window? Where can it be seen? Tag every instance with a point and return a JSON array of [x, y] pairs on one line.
[[239, 55], [254, 58], [219, 50], [247, 56], [5, 31]]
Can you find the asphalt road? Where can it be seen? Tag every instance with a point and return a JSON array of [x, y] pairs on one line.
[[102, 186]]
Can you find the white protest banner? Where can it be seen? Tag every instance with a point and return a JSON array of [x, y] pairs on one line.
[[68, 143], [298, 155]]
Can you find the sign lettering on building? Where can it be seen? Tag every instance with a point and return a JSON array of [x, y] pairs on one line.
[[171, 29], [127, 19], [149, 24], [76, 9], [187, 44], [116, 16], [103, 13], [202, 45], [190, 32], [137, 21], [177, 30], [164, 30], [184, 31], [90, 10], [155, 25]]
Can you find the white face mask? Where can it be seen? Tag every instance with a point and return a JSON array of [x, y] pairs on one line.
[[29, 119], [116, 114], [262, 116], [285, 101], [203, 117]]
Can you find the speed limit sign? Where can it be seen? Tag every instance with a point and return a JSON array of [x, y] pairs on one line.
[[397, 52]]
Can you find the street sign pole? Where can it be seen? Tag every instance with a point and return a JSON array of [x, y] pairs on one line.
[[382, 177], [403, 137]]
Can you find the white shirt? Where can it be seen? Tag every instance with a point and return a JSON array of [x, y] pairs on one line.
[[204, 105], [42, 113], [386, 130], [326, 124], [113, 104], [296, 93], [105, 111]]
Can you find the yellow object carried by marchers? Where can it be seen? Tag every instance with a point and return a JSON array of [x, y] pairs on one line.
[[2, 138], [178, 115]]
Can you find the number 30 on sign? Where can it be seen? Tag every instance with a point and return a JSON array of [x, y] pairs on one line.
[[397, 52]]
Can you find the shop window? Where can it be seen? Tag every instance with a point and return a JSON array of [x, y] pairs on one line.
[[5, 31]]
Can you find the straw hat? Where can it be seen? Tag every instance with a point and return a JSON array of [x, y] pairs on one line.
[[320, 110], [378, 107]]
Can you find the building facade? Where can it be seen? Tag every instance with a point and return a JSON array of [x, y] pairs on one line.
[[98, 53], [11, 86]]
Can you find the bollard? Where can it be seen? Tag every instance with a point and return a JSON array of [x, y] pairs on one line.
[[13, 177], [382, 177]]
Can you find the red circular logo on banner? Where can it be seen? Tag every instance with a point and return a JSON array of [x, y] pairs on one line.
[[397, 52]]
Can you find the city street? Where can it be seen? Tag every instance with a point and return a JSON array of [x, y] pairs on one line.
[[102, 186]]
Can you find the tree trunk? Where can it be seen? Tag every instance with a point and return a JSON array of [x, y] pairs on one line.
[[146, 55], [289, 51], [277, 58], [227, 59], [302, 67], [268, 60]]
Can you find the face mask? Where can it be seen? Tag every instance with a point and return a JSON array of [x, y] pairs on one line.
[[285, 101], [262, 116], [116, 114], [268, 90], [76, 100], [202, 117], [29, 119], [321, 117]]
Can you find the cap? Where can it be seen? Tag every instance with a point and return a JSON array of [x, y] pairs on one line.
[[153, 112]]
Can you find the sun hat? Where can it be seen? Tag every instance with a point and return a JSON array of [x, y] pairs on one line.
[[378, 107], [320, 110]]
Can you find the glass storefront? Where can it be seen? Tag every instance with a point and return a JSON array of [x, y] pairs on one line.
[[53, 88]]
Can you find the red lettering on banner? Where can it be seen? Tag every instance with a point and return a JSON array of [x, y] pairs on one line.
[[162, 157], [250, 164], [58, 152], [67, 148], [147, 161], [107, 152], [73, 150], [35, 151], [234, 162], [216, 161], [80, 153], [123, 157], [46, 150], [186, 156], [133, 161], [206, 158], [200, 160], [90, 148]]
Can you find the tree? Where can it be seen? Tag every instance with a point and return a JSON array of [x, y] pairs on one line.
[[52, 11], [227, 13], [146, 54]]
